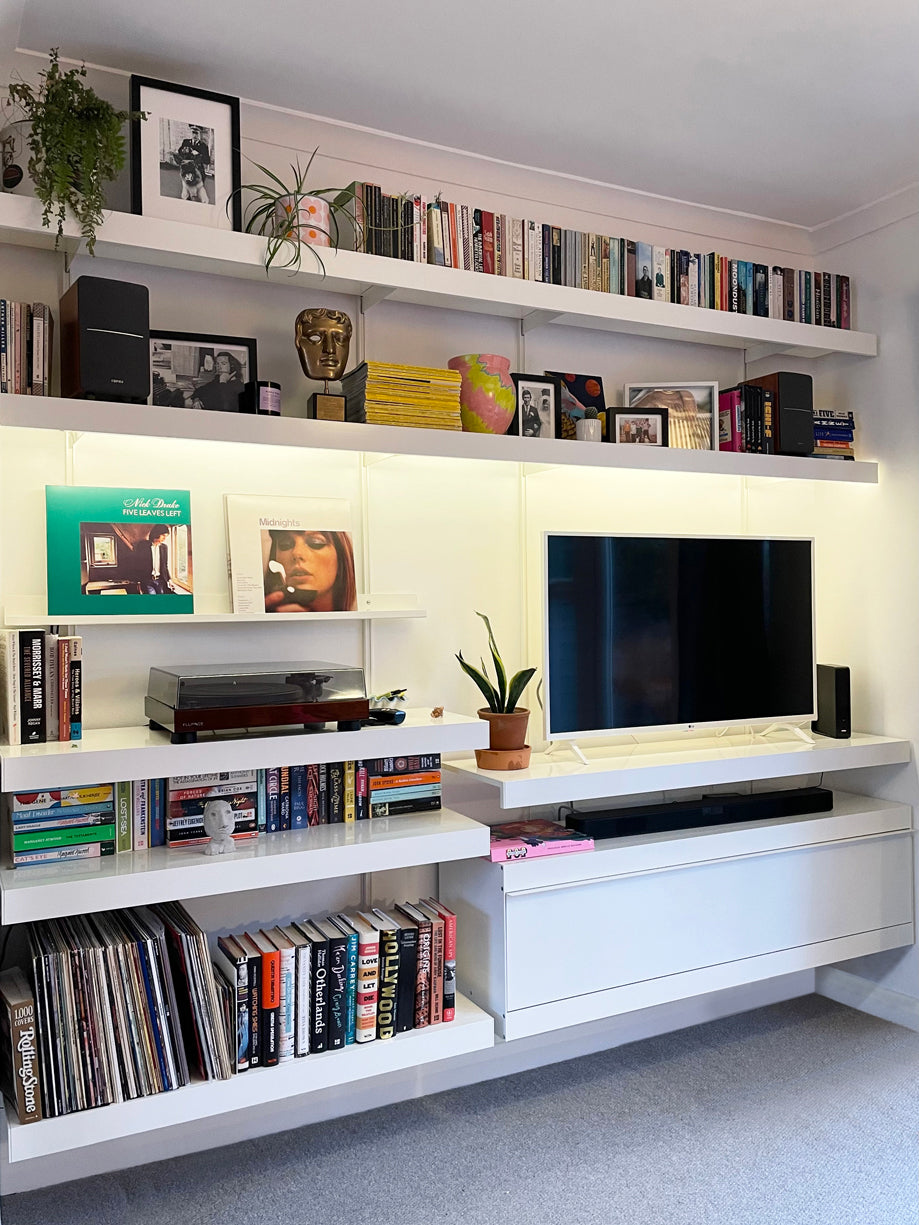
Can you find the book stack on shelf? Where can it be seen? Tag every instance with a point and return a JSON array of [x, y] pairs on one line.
[[41, 686], [128, 1003], [533, 839], [349, 978], [384, 393], [107, 818], [480, 240], [62, 826], [746, 419], [834, 434], [25, 347]]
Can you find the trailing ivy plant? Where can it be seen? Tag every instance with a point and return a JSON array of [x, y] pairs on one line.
[[76, 145]]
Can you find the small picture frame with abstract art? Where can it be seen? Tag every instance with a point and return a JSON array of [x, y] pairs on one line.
[[185, 157], [538, 410], [644, 429], [579, 391], [691, 411]]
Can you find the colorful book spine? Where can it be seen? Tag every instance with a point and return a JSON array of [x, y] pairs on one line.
[[10, 716], [285, 798], [388, 984], [368, 959], [123, 815], [349, 791], [298, 805], [32, 685], [140, 792]]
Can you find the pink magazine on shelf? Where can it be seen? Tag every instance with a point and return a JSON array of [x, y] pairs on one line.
[[532, 839]]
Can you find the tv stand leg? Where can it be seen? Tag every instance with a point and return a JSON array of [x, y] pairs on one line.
[[789, 727], [554, 745]]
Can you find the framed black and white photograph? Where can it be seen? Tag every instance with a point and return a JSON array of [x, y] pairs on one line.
[[185, 155], [203, 372], [691, 409], [643, 429], [538, 410]]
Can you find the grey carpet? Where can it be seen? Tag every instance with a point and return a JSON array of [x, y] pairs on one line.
[[803, 1113]]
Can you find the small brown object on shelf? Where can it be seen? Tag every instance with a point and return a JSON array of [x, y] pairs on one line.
[[437, 712], [503, 759]]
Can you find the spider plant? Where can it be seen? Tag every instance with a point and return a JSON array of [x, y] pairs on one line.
[[503, 695], [273, 210]]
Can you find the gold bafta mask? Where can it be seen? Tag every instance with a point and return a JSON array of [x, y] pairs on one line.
[[323, 338]]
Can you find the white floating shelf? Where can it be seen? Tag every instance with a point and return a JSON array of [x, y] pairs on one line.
[[852, 816], [173, 244], [637, 768], [471, 1030], [102, 417], [122, 753], [174, 873], [371, 608]]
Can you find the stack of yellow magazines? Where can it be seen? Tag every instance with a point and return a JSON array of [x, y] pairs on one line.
[[383, 393]]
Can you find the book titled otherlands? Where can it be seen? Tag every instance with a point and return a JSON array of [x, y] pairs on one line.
[[133, 544]]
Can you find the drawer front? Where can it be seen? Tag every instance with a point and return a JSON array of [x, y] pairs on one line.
[[570, 940]]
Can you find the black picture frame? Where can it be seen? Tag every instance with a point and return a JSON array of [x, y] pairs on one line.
[[176, 381], [177, 206], [623, 423], [541, 384]]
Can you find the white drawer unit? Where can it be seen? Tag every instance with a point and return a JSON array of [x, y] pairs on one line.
[[643, 921]]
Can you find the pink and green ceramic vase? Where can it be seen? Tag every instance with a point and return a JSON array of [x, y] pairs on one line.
[[487, 398]]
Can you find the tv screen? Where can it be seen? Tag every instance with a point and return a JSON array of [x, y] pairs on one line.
[[661, 632]]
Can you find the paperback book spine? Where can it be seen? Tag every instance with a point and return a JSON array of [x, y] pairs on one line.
[[75, 688], [312, 794], [298, 805], [273, 799], [9, 679], [287, 998], [323, 793], [270, 1013], [52, 687], [31, 671], [368, 958], [140, 799], [349, 791], [387, 1002]]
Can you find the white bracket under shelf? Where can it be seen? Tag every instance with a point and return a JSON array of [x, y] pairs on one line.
[[374, 296], [538, 319]]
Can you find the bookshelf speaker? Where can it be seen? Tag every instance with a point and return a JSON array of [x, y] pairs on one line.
[[793, 406], [834, 703], [105, 341]]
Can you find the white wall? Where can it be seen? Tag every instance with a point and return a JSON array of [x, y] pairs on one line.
[[465, 536]]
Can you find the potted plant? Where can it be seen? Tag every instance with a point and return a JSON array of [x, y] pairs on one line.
[[76, 145], [507, 723], [290, 215]]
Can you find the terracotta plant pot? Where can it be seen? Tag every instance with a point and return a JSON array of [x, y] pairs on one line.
[[487, 396], [506, 731], [503, 759]]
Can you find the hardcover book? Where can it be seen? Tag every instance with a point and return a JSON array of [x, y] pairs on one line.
[[532, 839], [131, 543], [290, 555], [21, 1064]]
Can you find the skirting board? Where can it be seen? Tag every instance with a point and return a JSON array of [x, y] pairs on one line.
[[866, 996], [504, 1059]]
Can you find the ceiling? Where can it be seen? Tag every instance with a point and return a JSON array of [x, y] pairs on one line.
[[796, 110]]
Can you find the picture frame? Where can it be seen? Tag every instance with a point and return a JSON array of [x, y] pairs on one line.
[[692, 411], [579, 392], [194, 370], [538, 408], [638, 428], [185, 161]]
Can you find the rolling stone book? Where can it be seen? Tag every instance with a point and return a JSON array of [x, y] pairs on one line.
[[133, 544]]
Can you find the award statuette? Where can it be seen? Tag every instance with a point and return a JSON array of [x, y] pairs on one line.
[[323, 338]]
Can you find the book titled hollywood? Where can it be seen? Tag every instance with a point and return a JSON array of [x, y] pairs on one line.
[[533, 839]]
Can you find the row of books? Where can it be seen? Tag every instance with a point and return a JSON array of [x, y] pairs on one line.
[[125, 1005], [90, 822], [834, 434], [25, 347], [746, 419], [384, 393], [479, 240], [323, 984], [41, 686]]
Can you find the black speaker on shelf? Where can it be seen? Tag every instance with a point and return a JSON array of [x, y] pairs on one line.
[[105, 341], [793, 411], [834, 702]]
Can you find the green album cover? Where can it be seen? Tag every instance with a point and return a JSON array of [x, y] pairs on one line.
[[131, 543]]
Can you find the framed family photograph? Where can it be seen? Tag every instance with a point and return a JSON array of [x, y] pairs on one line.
[[690, 409], [538, 411], [185, 156], [645, 429], [188, 370]]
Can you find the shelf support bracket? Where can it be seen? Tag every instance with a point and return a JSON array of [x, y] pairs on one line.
[[538, 319], [374, 296]]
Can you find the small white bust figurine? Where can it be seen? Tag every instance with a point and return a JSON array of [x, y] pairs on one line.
[[219, 824]]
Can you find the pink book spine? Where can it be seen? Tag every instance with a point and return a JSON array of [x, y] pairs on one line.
[[730, 438], [506, 850]]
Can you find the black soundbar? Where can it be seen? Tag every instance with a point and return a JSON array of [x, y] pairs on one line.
[[693, 814]]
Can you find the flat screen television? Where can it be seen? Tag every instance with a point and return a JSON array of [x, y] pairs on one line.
[[676, 632]]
